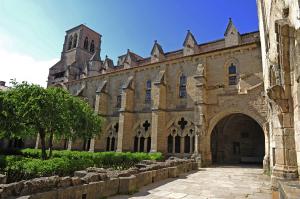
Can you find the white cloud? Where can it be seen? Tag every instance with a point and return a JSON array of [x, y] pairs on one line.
[[22, 67]]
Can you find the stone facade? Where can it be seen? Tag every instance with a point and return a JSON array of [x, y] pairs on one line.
[[169, 102], [280, 37]]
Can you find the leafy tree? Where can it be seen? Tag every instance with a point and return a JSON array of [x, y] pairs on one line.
[[29, 109]]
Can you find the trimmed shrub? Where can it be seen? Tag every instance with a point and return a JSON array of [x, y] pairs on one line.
[[29, 164], [100, 159], [21, 168]]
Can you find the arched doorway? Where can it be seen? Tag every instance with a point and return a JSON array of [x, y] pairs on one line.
[[237, 138]]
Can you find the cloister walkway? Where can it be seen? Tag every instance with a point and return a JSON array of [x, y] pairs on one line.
[[226, 182]]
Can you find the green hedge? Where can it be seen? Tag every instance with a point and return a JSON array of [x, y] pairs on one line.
[[100, 159], [21, 168], [29, 165]]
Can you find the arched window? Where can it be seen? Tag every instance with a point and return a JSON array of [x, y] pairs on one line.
[[142, 144], [182, 86], [135, 146], [86, 43], [148, 144], [112, 147], [75, 40], [108, 144], [119, 96], [148, 92], [232, 75], [70, 42], [92, 47], [177, 144], [170, 144], [187, 144]]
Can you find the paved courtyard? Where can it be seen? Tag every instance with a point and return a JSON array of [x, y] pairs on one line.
[[228, 182]]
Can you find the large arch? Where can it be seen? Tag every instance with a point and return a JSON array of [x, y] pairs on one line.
[[258, 118]]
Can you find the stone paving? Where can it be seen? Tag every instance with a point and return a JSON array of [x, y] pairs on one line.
[[226, 182]]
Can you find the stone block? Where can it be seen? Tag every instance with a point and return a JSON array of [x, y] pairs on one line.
[[160, 174], [172, 172], [127, 185], [143, 179], [65, 182], [110, 187], [80, 174], [91, 177], [44, 195], [3, 179], [76, 181], [75, 192], [181, 168], [289, 190]]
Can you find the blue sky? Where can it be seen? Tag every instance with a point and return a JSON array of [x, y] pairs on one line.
[[34, 30]]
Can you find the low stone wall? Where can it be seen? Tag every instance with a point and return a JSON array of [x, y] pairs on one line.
[[289, 190], [94, 183]]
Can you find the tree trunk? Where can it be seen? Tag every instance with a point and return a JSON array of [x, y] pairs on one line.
[[43, 143], [50, 144]]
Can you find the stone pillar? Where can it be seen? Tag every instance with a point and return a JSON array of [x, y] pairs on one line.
[[282, 114], [145, 145], [126, 117], [173, 149], [70, 144], [191, 144], [37, 142], [158, 115], [139, 144], [182, 145], [92, 145], [200, 111]]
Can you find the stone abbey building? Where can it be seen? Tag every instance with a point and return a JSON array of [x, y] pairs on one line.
[[206, 98], [233, 100]]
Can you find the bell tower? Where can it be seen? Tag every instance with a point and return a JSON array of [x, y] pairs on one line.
[[81, 45]]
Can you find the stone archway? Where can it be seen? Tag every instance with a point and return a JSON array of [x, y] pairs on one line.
[[237, 138]]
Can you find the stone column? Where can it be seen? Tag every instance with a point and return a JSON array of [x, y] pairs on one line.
[[37, 142], [70, 144], [191, 144], [200, 111], [139, 144], [126, 117], [182, 145], [145, 145], [92, 145], [158, 115], [282, 114], [173, 149]]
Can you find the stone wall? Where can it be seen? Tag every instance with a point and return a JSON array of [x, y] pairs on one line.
[[94, 183]]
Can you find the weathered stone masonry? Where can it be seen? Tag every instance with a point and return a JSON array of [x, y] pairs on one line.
[[169, 102]]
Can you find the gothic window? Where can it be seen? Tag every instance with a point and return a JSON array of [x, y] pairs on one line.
[[116, 127], [148, 144], [108, 144], [148, 91], [232, 75], [70, 42], [170, 144], [86, 43], [146, 125], [182, 123], [92, 47], [142, 143], [182, 86], [135, 146], [177, 144], [119, 99], [112, 147], [75, 41], [187, 144]]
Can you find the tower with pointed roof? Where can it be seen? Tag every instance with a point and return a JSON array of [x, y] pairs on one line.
[[232, 36]]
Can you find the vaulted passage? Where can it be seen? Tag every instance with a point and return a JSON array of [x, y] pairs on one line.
[[237, 138]]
